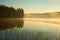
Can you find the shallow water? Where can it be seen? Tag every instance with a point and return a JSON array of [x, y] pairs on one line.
[[32, 31]]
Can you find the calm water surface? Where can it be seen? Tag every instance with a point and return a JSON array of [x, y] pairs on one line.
[[32, 31]]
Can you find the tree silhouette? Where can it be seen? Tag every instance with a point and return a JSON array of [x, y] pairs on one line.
[[21, 12], [9, 17], [10, 12]]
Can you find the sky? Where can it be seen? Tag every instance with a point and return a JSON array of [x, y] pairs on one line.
[[34, 6]]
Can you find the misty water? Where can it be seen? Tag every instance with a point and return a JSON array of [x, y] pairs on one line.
[[32, 31]]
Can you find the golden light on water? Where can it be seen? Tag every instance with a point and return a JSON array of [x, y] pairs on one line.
[[52, 21]]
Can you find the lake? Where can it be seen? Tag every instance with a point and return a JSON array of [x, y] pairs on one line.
[[32, 31]]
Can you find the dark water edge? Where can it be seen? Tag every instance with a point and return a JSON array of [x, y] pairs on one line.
[[29, 32], [9, 23]]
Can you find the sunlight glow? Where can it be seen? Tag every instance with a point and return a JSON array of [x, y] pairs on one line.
[[53, 21]]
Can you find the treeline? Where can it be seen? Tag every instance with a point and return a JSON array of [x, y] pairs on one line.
[[43, 15], [8, 17], [10, 12]]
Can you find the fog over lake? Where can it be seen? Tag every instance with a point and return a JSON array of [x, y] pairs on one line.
[[32, 31]]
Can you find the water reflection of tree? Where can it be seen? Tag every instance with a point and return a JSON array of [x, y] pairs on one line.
[[10, 17]]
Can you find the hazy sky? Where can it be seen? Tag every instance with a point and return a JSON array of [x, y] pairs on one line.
[[34, 6]]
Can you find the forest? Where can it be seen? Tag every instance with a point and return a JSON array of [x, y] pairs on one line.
[[10, 12], [10, 17]]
